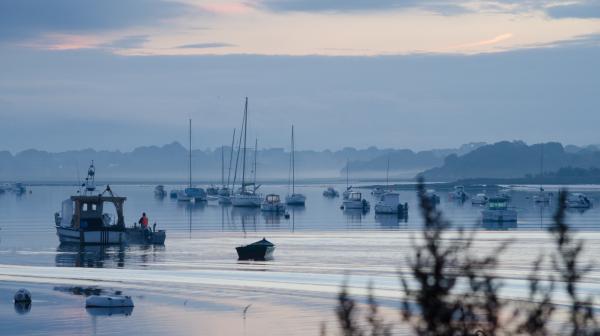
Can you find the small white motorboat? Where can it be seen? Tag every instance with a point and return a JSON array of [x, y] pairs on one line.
[[355, 201], [479, 199], [578, 201], [378, 192], [541, 197], [390, 204], [272, 203], [497, 210], [295, 199], [108, 301]]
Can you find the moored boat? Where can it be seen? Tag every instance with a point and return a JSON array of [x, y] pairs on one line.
[[330, 192], [578, 201], [159, 191], [389, 203], [497, 210], [260, 250], [459, 194], [355, 201], [272, 203], [479, 199], [82, 219]]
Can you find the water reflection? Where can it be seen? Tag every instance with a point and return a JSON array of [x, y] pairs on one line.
[[390, 221], [22, 308], [354, 216], [124, 311], [499, 226], [95, 256], [245, 218]]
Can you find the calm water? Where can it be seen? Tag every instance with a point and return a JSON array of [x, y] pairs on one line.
[[194, 284]]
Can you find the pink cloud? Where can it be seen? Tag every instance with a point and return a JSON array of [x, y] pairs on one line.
[[228, 8]]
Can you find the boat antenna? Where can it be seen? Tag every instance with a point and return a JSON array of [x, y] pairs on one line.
[[347, 167], [541, 166], [231, 157]]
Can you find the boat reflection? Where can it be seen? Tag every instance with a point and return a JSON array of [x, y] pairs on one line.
[[123, 311], [390, 221], [354, 216], [272, 219], [94, 256], [499, 226], [247, 217], [22, 308]]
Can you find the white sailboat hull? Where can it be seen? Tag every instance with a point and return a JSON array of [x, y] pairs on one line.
[[508, 215], [248, 201], [295, 199]]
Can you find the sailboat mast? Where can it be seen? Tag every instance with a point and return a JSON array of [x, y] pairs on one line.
[[255, 151], [190, 154], [293, 164], [542, 166], [387, 173], [347, 167], [222, 166], [231, 159], [245, 131]]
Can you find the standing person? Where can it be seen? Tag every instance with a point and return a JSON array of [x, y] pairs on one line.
[[143, 221]]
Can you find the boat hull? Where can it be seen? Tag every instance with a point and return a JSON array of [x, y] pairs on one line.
[[276, 208], [349, 204], [251, 252], [389, 209], [295, 199], [246, 201], [97, 237], [499, 216]]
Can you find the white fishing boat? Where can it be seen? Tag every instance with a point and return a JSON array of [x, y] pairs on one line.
[[245, 197], [459, 194], [355, 201], [82, 219], [479, 199], [294, 198], [272, 203], [389, 203], [578, 201], [497, 210]]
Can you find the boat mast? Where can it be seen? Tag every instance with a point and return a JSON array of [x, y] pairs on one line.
[[222, 166], [387, 173], [190, 154], [347, 166], [293, 165], [245, 131], [231, 159], [255, 150], [542, 166]]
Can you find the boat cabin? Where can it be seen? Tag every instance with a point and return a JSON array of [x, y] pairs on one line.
[[272, 198], [392, 199], [355, 196], [87, 212], [497, 203]]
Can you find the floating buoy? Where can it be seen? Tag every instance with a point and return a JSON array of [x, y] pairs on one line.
[[287, 215], [22, 296]]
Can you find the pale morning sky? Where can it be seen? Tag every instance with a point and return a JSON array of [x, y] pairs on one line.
[[116, 74]]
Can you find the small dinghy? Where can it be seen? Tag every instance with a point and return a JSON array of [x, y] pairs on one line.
[[260, 250], [108, 301]]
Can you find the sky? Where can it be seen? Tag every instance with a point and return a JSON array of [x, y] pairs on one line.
[[117, 74]]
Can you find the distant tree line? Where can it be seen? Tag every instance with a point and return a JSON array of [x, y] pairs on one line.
[[434, 304]]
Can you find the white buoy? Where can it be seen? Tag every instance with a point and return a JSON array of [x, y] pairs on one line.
[[108, 301], [22, 296]]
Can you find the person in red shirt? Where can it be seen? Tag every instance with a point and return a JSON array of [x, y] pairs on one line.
[[143, 221]]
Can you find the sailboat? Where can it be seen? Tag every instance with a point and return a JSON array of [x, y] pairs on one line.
[[294, 198], [542, 196], [225, 191], [348, 190], [191, 193], [246, 197]]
